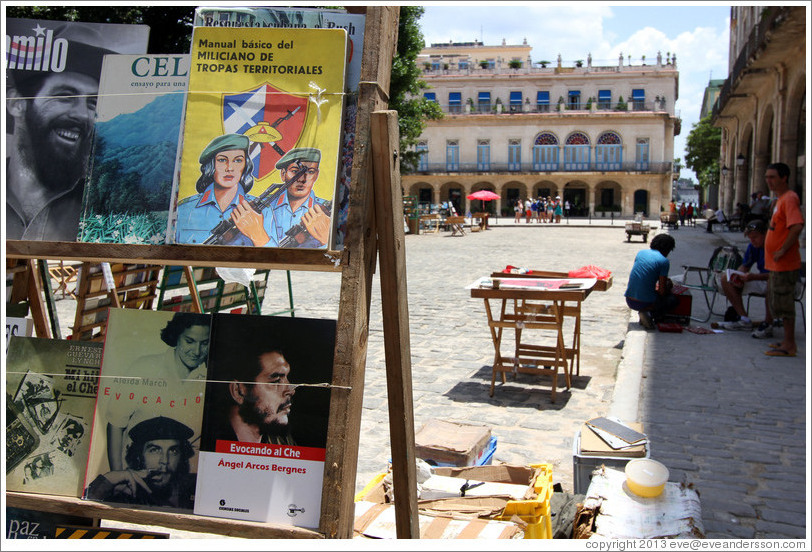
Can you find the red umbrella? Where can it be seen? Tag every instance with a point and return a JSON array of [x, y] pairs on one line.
[[484, 195]]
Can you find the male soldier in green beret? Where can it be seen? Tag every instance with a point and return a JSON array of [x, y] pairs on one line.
[[300, 203]]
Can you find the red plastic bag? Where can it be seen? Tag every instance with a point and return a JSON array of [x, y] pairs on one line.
[[590, 271]]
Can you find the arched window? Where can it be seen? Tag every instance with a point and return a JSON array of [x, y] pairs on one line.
[[545, 152], [609, 152], [577, 152]]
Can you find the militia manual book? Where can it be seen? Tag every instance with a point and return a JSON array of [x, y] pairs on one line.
[[149, 410], [262, 138], [266, 418], [50, 395], [138, 123], [310, 18]]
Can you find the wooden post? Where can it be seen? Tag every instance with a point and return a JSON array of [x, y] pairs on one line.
[[38, 309], [358, 262], [395, 308]]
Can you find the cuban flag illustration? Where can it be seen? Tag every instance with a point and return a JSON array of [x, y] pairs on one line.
[[273, 120]]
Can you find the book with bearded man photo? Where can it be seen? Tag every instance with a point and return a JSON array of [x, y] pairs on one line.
[[52, 86], [149, 411], [266, 418]]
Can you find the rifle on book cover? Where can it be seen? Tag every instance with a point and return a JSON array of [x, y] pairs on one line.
[[298, 234], [226, 231]]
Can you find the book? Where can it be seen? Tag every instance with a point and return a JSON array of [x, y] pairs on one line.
[[135, 150], [615, 433], [266, 418], [149, 412], [293, 18], [51, 389], [310, 18], [593, 444], [262, 137], [48, 149], [24, 327]]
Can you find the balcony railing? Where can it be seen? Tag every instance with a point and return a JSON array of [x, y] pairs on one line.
[[599, 107], [755, 42], [659, 167]]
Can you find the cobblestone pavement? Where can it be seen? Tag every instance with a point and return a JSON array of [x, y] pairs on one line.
[[719, 413]]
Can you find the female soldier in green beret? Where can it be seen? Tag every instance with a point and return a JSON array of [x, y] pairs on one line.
[[226, 178]]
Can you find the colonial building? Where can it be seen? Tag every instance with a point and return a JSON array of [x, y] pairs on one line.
[[601, 137], [762, 105]]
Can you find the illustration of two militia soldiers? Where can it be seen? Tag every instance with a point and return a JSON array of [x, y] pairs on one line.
[[223, 194]]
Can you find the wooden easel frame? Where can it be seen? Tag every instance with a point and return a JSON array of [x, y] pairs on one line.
[[356, 263]]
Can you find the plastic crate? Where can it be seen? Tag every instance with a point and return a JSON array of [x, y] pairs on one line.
[[583, 466], [536, 512]]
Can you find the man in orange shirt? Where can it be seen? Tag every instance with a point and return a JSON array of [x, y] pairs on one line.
[[782, 255]]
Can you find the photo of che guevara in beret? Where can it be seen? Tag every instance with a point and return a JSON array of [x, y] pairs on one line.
[[157, 472], [226, 178]]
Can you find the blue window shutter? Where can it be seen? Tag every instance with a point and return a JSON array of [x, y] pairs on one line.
[[431, 96], [638, 94], [604, 95], [543, 97], [516, 98], [484, 96], [454, 97]]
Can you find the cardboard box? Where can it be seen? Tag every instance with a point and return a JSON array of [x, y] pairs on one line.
[[377, 521], [441, 442]]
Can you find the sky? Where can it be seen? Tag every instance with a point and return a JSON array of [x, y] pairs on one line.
[[697, 33]]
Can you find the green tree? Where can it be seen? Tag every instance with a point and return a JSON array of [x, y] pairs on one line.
[[702, 152], [171, 30], [170, 26], [405, 90]]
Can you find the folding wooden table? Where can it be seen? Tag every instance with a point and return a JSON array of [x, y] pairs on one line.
[[537, 304]]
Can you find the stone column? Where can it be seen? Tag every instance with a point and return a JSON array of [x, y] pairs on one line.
[[739, 190], [590, 198], [759, 168]]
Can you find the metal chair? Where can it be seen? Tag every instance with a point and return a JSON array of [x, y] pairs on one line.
[[724, 257]]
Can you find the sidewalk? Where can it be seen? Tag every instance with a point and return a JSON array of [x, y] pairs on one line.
[[728, 419]]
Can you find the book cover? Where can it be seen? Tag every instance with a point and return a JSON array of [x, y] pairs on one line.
[[292, 18], [262, 137], [49, 142], [50, 395], [278, 17], [135, 149], [149, 411], [265, 425]]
